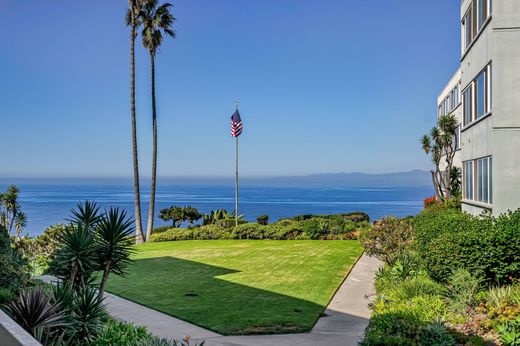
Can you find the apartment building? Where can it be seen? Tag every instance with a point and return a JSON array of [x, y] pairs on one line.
[[489, 105]]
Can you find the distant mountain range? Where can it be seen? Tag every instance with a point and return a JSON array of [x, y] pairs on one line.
[[355, 179], [410, 178]]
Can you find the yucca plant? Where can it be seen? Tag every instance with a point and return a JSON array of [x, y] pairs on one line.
[[88, 312], [75, 259], [87, 214], [114, 244], [36, 313]]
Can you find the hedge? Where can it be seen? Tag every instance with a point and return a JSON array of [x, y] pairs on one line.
[[315, 228], [447, 239]]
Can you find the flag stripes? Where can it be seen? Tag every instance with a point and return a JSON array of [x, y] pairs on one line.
[[236, 124]]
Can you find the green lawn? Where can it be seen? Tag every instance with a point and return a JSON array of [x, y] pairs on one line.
[[239, 286]]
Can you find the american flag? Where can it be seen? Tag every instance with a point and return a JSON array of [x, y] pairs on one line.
[[236, 124]]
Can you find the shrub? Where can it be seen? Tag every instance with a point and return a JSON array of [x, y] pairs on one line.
[[462, 290], [251, 231], [356, 216], [262, 220], [161, 229], [436, 335], [14, 272], [429, 201], [448, 239], [207, 232], [414, 287], [387, 238], [315, 228], [509, 332], [229, 223], [120, 333], [5, 295]]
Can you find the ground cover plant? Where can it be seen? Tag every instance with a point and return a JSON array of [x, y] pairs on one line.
[[239, 286], [449, 279]]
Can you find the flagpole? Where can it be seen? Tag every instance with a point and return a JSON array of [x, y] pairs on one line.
[[236, 177]]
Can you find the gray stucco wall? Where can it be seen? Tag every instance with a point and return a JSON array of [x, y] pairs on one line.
[[11, 334]]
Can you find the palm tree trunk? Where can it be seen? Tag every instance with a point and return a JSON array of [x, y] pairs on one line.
[[104, 280], [139, 238], [151, 210]]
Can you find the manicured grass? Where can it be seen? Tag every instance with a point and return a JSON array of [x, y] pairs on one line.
[[239, 286]]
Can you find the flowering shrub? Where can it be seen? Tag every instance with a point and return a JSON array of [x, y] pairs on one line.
[[429, 201]]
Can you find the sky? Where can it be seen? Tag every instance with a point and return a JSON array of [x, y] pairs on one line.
[[323, 86]]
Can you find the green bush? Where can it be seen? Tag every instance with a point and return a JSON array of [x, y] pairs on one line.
[[161, 229], [387, 238], [6, 295], [263, 219], [356, 216], [208, 232], [14, 271], [229, 223], [487, 247], [120, 333], [316, 228], [462, 290]]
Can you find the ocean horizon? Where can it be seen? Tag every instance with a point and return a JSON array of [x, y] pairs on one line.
[[47, 202]]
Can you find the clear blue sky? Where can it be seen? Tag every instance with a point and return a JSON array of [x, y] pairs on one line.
[[324, 86]]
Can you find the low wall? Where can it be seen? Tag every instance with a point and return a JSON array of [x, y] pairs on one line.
[[11, 334]]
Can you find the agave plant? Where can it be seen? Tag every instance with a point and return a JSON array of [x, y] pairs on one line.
[[114, 244], [36, 313]]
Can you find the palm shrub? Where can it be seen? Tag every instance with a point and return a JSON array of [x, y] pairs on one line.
[[113, 245]]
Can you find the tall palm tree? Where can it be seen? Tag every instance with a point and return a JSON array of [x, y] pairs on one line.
[[132, 20], [155, 19]]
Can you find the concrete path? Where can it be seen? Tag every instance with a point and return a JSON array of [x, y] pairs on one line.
[[344, 322]]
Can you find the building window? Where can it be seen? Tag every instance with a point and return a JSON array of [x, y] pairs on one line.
[[468, 109], [477, 96], [483, 180], [477, 15], [450, 102], [477, 180], [480, 94], [468, 180], [482, 12], [456, 138]]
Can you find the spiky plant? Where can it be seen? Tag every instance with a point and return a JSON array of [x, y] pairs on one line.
[[20, 222], [87, 214], [35, 312], [88, 312], [75, 259], [114, 244]]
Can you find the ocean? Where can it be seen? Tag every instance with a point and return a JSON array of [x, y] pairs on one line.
[[49, 203]]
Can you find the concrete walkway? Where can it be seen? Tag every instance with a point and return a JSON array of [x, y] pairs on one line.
[[344, 322]]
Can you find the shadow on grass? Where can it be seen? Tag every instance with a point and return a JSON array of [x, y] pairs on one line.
[[194, 292]]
